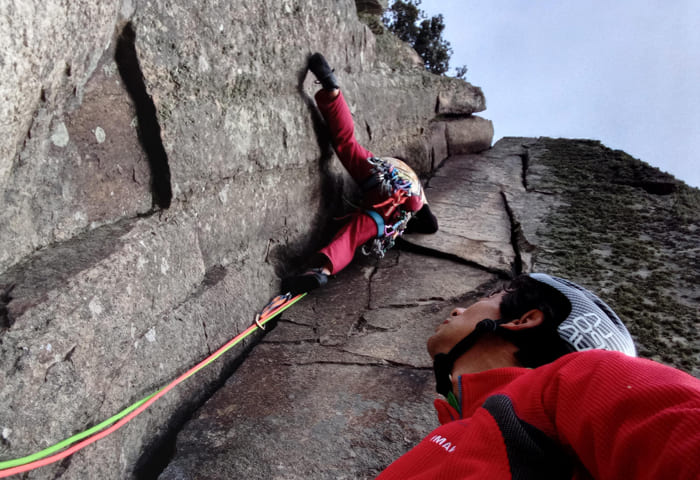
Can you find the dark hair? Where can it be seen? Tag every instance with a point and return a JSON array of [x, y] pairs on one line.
[[541, 344]]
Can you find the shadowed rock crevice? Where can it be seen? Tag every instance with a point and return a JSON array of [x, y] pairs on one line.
[[376, 362], [311, 341], [525, 159], [63, 467], [214, 275], [369, 285], [6, 319], [148, 127], [651, 187], [4, 442], [290, 322], [161, 449], [206, 336], [516, 234]]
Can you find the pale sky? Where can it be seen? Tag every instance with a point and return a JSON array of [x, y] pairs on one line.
[[624, 72]]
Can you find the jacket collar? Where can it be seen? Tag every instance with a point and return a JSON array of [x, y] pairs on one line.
[[473, 391]]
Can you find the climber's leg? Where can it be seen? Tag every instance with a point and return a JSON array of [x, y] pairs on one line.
[[360, 229], [336, 256]]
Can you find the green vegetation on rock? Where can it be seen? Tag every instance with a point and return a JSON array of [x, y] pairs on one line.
[[630, 232], [405, 20]]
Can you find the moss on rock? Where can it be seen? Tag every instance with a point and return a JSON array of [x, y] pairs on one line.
[[628, 231]]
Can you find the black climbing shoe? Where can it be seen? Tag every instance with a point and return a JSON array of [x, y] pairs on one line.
[[322, 71], [305, 282]]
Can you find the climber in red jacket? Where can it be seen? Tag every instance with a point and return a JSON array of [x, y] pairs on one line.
[[394, 200], [541, 382]]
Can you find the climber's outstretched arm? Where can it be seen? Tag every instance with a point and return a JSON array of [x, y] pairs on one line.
[[335, 111]]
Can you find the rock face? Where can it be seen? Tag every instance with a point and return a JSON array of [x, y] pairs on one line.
[[341, 387], [626, 229], [161, 166], [468, 135], [344, 385]]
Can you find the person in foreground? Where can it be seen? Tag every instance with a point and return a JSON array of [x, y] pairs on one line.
[[542, 382], [394, 199]]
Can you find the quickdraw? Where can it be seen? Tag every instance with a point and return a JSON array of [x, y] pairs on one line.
[[386, 240], [48, 456]]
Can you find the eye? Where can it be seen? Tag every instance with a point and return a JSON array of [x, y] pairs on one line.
[[456, 312]]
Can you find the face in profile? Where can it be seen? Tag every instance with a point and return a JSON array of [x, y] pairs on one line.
[[462, 322]]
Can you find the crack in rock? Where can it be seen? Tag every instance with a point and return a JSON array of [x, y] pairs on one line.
[[295, 342], [298, 324], [379, 363], [362, 327], [206, 336], [148, 127], [408, 246], [6, 319], [525, 159], [369, 285], [515, 234]]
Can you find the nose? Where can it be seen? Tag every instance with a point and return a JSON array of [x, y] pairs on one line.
[[457, 311]]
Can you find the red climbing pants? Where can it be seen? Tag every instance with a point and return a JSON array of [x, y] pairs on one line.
[[360, 227]]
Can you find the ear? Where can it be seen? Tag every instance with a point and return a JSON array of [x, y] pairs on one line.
[[531, 319]]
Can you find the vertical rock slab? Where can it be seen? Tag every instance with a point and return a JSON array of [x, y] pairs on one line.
[[136, 307], [108, 162], [77, 169], [466, 194], [49, 51]]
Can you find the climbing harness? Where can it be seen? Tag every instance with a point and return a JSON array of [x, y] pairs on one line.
[[386, 234], [394, 179], [48, 456]]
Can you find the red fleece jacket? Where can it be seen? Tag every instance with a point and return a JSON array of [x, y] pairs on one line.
[[594, 414]]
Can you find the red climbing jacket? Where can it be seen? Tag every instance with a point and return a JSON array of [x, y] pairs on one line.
[[593, 414]]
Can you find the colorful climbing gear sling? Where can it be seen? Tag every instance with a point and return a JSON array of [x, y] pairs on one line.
[[387, 177], [49, 455], [397, 181]]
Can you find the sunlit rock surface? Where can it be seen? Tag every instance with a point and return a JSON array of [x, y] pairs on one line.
[[163, 164]]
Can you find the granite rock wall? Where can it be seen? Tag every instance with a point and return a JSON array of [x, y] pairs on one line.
[[162, 165]]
